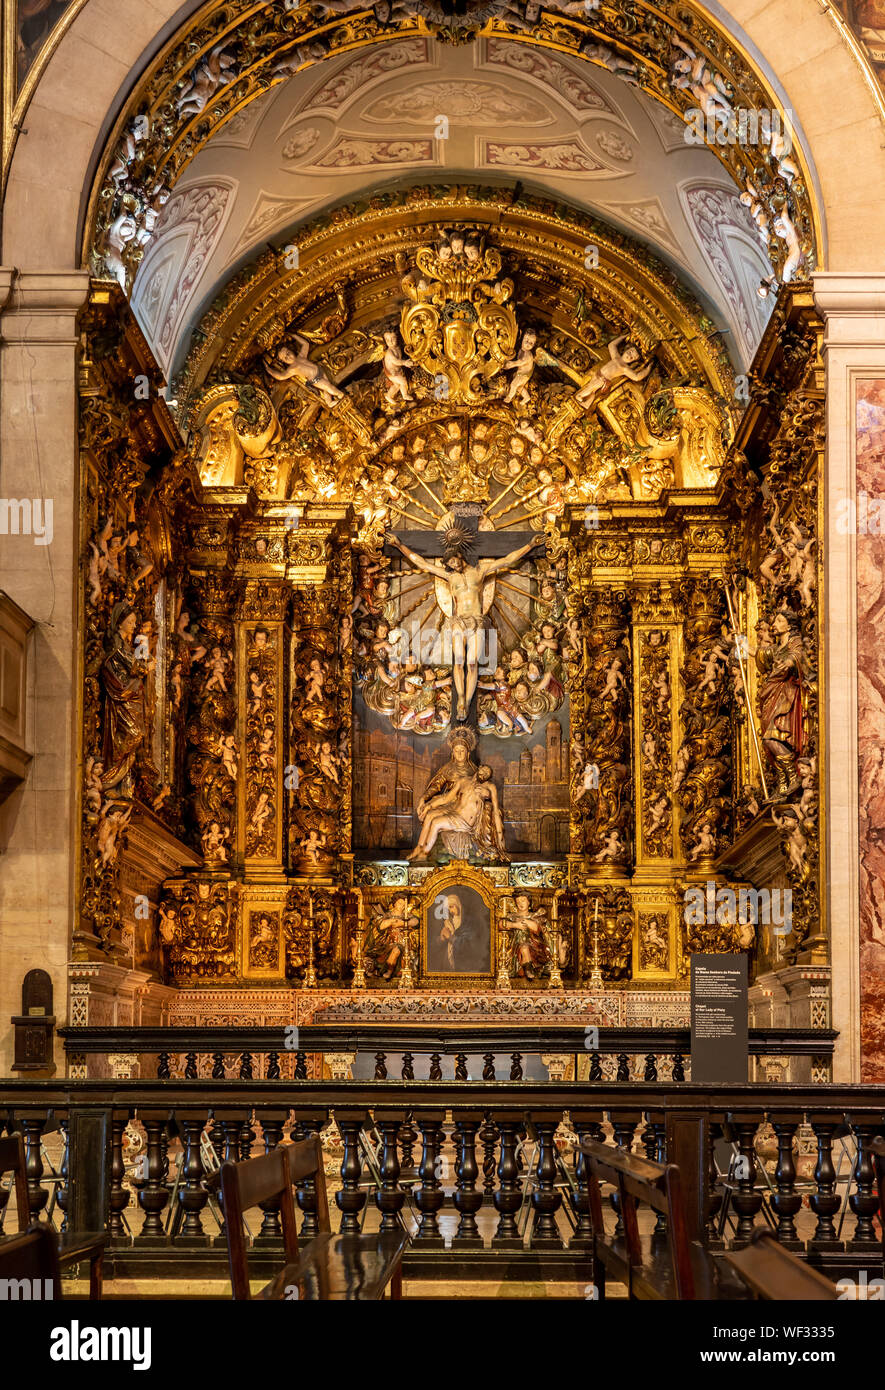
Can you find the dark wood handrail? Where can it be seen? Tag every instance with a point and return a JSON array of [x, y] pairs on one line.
[[751, 1099], [416, 1037]]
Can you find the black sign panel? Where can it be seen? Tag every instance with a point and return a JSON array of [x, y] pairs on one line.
[[719, 1046]]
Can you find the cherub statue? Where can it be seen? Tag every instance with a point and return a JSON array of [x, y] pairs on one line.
[[227, 750], [112, 822], [284, 364], [712, 662], [694, 74], [658, 816], [315, 681], [613, 849], [614, 679], [93, 794], [392, 365], [213, 840], [211, 73], [312, 846], [524, 363], [797, 842], [261, 813], [625, 361], [216, 663], [706, 844]]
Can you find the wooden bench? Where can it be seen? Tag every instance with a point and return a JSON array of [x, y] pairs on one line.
[[772, 1272], [330, 1267], [72, 1247], [32, 1255], [660, 1266]]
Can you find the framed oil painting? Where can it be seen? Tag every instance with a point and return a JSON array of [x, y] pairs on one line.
[[457, 927]]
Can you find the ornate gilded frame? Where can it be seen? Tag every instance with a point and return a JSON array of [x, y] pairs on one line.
[[459, 874]]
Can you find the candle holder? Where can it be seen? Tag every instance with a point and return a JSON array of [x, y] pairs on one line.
[[406, 978], [555, 973], [503, 978], [596, 980], [310, 979], [359, 974]]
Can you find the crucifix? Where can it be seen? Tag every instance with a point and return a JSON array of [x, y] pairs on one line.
[[464, 575]]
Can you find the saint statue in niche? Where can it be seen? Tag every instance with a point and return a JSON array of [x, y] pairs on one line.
[[460, 806], [123, 674]]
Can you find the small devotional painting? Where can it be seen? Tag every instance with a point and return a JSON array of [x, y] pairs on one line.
[[457, 932]]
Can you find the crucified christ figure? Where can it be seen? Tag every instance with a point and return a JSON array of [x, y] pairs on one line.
[[465, 585]]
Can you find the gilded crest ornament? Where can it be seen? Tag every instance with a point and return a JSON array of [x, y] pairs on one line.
[[458, 323]]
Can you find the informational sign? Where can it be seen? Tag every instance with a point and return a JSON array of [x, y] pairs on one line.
[[719, 1044]]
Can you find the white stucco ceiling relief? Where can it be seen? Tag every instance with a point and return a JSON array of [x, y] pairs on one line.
[[563, 127]]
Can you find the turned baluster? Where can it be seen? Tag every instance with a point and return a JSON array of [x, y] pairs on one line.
[[786, 1201], [678, 1067], [118, 1197], [624, 1127], [389, 1199], [713, 1238], [460, 1066], [300, 1066], [649, 1141], [217, 1066], [192, 1196], [271, 1227], [153, 1195], [436, 1066], [380, 1066], [63, 1172], [660, 1156], [595, 1067], [407, 1136], [466, 1198], [247, 1138], [37, 1196], [651, 1067], [825, 1201], [408, 1071], [163, 1072], [190, 1066], [864, 1202], [488, 1135], [273, 1066], [585, 1127], [246, 1069], [516, 1066], [305, 1125], [623, 1073], [746, 1199], [488, 1066], [351, 1199], [546, 1199], [429, 1196], [508, 1198]]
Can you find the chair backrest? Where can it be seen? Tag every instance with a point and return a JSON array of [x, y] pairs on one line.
[[244, 1186], [639, 1179], [12, 1160], [31, 1256], [305, 1160], [773, 1273]]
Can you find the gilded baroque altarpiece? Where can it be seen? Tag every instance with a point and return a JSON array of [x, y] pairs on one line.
[[456, 633]]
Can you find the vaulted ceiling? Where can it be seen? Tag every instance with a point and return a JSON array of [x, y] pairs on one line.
[[370, 119]]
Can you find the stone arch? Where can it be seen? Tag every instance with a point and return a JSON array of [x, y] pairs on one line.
[[87, 82]]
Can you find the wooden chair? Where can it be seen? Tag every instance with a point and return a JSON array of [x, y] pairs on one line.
[[771, 1272], [72, 1247], [331, 1267], [32, 1255], [670, 1267]]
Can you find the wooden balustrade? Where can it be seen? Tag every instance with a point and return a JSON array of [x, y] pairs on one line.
[[517, 1154]]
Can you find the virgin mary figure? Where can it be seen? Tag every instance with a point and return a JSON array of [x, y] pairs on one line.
[[122, 677]]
